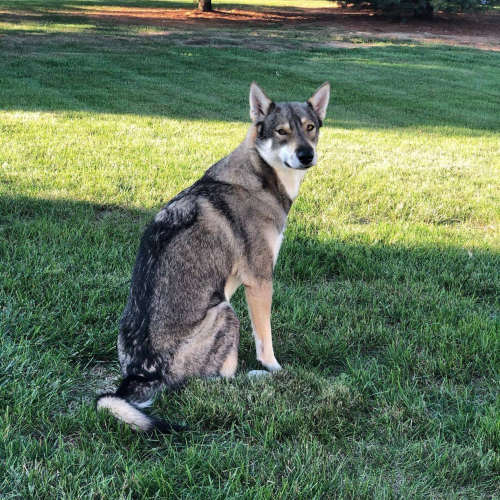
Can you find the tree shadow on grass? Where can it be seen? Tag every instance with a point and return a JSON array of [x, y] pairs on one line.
[[111, 15], [430, 309], [326, 16]]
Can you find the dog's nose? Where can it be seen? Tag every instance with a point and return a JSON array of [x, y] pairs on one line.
[[305, 155]]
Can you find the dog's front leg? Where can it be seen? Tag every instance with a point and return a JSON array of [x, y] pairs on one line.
[[259, 298]]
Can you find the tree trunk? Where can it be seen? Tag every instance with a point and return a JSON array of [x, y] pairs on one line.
[[205, 5], [424, 14]]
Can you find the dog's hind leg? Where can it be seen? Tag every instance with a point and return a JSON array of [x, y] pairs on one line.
[[224, 350], [211, 349], [228, 368]]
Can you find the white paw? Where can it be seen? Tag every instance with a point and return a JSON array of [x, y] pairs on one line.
[[269, 362], [274, 366], [258, 373]]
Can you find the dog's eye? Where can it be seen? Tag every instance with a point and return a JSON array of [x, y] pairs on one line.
[[310, 127], [281, 131]]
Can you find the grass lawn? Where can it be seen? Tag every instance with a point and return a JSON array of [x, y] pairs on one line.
[[386, 315]]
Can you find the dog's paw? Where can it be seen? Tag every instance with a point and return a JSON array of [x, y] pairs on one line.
[[274, 366], [269, 362], [258, 374]]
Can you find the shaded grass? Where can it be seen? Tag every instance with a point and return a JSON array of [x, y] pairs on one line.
[[386, 314]]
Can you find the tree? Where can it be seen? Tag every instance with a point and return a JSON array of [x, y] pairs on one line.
[[205, 5], [422, 9]]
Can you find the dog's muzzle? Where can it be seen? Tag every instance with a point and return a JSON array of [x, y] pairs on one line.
[[305, 156]]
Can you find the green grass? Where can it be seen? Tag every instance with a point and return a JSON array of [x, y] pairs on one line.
[[386, 315]]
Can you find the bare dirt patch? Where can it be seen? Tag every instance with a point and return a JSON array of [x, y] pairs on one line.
[[471, 30]]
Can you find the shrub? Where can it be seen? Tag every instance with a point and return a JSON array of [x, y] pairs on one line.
[[422, 8]]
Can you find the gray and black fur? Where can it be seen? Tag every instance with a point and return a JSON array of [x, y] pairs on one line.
[[221, 232]]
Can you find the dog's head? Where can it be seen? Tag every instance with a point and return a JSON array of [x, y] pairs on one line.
[[287, 133]]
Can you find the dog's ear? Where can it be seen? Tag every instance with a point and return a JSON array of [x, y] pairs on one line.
[[319, 100], [260, 104]]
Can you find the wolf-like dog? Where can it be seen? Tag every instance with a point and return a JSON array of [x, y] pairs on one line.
[[222, 232]]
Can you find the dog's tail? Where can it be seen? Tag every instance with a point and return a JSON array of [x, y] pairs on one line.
[[135, 392]]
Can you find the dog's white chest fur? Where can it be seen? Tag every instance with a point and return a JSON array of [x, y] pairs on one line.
[[291, 179]]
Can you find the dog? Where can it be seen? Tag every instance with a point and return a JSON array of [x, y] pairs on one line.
[[222, 232]]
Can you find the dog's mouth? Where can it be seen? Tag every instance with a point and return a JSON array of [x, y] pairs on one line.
[[302, 167]]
